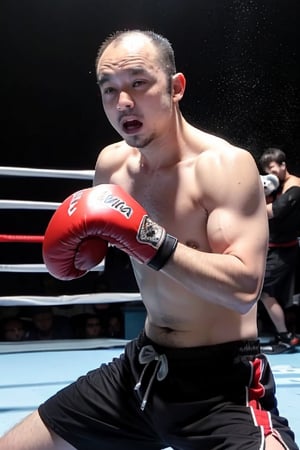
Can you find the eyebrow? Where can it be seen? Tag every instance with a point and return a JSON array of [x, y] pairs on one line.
[[105, 77]]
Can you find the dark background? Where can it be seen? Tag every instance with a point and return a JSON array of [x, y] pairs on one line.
[[240, 59]]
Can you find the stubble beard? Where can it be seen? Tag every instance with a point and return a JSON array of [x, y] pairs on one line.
[[138, 141]]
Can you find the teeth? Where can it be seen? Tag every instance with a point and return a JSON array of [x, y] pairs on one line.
[[132, 124]]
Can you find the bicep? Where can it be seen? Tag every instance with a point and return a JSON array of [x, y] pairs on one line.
[[237, 222], [237, 218], [235, 232]]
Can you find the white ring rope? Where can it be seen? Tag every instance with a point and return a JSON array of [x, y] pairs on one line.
[[27, 204], [35, 268], [103, 297], [47, 173], [38, 268], [32, 268]]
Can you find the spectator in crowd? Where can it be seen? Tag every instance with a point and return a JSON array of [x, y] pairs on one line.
[[115, 326], [283, 209], [90, 326], [93, 326], [13, 329], [46, 325]]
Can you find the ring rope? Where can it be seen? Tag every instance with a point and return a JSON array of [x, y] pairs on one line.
[[20, 238], [27, 204], [47, 173], [106, 297], [33, 268], [39, 268]]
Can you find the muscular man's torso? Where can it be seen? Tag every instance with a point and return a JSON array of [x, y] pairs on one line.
[[172, 197]]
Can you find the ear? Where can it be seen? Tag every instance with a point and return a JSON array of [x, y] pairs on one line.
[[178, 86]]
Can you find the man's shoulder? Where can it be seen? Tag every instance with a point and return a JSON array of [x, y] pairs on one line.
[[115, 153], [292, 183], [295, 181], [228, 164], [218, 149], [111, 159], [120, 146], [293, 192], [214, 144]]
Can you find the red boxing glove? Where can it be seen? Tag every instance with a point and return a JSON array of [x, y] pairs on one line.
[[106, 212], [68, 251]]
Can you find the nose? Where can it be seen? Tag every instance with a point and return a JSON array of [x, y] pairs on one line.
[[124, 101]]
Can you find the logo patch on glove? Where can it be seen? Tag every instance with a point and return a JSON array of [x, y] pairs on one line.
[[150, 233], [118, 204]]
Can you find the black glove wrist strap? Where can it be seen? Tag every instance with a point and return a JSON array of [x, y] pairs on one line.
[[163, 253]]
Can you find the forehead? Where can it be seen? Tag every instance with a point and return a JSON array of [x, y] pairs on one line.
[[274, 164], [134, 50]]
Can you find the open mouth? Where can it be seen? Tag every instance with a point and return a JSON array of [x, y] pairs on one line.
[[132, 126]]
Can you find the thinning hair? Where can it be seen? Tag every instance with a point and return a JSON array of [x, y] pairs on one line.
[[164, 48], [272, 154]]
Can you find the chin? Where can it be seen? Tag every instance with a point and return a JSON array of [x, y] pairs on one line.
[[138, 141]]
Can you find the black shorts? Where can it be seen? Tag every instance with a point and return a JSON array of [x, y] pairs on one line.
[[279, 275], [214, 397]]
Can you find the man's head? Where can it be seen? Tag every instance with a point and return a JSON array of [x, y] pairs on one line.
[[139, 85], [43, 319], [165, 53], [13, 329], [93, 326], [273, 160]]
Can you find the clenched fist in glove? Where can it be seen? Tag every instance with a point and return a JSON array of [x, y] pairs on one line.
[[79, 230], [270, 183]]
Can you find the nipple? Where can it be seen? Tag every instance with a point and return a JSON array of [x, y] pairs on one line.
[[192, 244]]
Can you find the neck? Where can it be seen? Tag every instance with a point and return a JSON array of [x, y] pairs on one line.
[[166, 150], [287, 176]]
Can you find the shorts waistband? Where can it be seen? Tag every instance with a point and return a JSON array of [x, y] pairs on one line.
[[223, 350], [157, 359]]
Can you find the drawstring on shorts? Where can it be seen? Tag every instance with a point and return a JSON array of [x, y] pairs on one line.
[[146, 356]]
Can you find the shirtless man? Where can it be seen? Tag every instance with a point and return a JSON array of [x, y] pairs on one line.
[[283, 209], [194, 378]]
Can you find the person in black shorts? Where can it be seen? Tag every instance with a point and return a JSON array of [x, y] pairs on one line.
[[283, 208], [180, 398], [189, 209]]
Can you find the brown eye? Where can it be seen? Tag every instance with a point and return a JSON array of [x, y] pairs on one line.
[[138, 83]]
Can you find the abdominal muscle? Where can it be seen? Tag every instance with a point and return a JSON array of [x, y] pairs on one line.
[[178, 318]]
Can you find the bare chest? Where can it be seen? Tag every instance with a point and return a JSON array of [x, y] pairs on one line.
[[174, 201]]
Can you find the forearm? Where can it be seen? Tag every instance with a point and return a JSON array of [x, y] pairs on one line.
[[222, 279]]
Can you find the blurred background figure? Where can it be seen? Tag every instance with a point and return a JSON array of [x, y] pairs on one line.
[[46, 325], [115, 326], [13, 329], [93, 328], [283, 209], [99, 320]]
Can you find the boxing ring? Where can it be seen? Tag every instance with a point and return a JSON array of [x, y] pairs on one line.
[[31, 371]]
